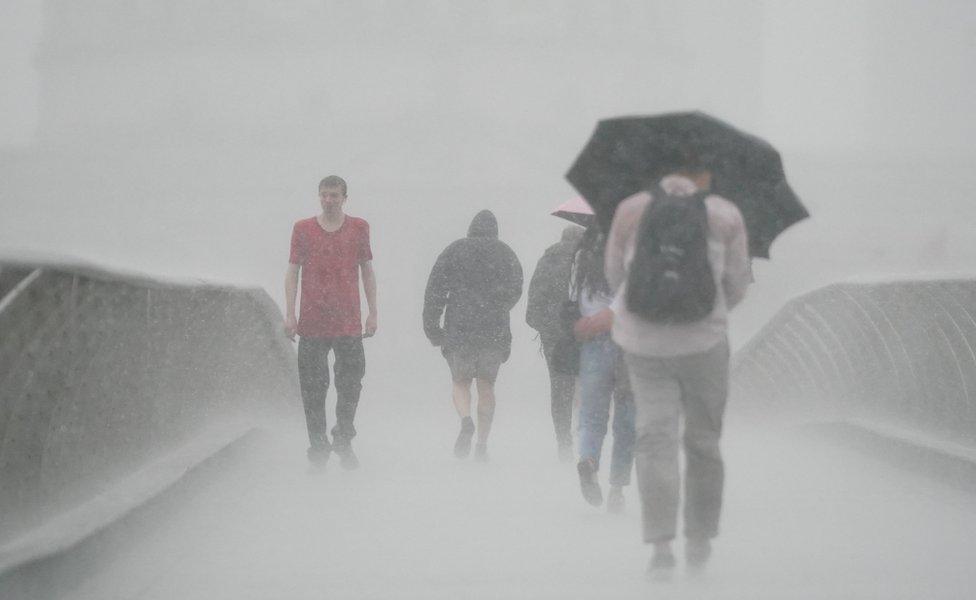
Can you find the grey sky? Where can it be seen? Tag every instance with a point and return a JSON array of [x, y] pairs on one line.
[[185, 138], [461, 106], [848, 67], [20, 22]]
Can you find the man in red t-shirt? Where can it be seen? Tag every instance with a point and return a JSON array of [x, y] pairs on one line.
[[330, 251]]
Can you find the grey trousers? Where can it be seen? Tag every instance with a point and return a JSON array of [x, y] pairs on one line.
[[665, 389]]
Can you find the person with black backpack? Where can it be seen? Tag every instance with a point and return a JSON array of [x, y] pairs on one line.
[[547, 299], [678, 259]]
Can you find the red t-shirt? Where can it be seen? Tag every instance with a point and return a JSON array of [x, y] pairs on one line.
[[330, 276]]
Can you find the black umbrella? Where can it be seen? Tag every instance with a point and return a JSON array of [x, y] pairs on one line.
[[630, 154]]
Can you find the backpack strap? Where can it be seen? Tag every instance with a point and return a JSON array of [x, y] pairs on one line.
[[658, 192]]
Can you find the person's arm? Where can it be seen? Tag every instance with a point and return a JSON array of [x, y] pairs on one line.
[[516, 281], [532, 317], [296, 258], [590, 327], [623, 228], [738, 272], [435, 300], [369, 286], [291, 294]]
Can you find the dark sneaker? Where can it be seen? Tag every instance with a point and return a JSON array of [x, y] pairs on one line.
[[615, 500], [697, 553], [661, 567], [481, 453], [318, 455], [347, 458], [462, 447], [586, 468], [342, 445]]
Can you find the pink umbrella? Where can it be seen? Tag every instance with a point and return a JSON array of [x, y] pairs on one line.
[[576, 211]]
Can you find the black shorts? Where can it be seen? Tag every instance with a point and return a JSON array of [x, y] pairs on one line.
[[470, 364]]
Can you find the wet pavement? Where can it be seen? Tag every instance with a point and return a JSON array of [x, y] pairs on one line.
[[804, 518]]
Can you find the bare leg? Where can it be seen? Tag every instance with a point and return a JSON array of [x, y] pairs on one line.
[[486, 408], [462, 398], [462, 403]]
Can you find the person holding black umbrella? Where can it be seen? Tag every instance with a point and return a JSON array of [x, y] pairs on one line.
[[679, 365], [678, 193]]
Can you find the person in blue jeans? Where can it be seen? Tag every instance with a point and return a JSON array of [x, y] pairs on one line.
[[602, 378]]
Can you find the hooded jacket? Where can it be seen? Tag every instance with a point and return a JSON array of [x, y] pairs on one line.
[[474, 284]]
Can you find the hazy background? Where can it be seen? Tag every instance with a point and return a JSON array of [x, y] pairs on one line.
[[184, 138]]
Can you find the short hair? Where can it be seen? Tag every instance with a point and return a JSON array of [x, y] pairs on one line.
[[334, 181], [691, 160]]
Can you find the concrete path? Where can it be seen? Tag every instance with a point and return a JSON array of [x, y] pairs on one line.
[[803, 519]]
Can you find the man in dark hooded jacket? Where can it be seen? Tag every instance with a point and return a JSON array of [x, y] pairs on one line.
[[548, 293], [474, 284]]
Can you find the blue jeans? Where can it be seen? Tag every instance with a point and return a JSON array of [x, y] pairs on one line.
[[602, 377]]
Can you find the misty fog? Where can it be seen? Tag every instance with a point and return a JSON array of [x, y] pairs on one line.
[[184, 139]]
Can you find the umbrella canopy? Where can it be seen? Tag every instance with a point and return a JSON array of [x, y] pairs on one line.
[[575, 211], [629, 154]]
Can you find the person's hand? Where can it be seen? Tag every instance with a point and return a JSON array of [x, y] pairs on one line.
[[590, 327], [369, 329], [291, 327]]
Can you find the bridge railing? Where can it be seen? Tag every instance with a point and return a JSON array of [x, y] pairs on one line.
[[896, 353], [100, 372]]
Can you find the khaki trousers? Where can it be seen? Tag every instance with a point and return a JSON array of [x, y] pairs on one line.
[[694, 387]]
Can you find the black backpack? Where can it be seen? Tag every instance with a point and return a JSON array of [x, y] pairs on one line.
[[549, 289], [670, 277]]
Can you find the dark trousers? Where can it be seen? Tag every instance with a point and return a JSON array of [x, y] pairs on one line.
[[313, 375], [562, 388]]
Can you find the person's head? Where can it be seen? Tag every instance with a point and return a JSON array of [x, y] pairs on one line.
[[693, 164], [484, 225], [332, 193], [572, 234], [589, 262]]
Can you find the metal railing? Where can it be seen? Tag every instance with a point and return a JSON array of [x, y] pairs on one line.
[[896, 353], [99, 372]]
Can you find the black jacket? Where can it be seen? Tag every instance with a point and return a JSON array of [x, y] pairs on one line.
[[474, 283]]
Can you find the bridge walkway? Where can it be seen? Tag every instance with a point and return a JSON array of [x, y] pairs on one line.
[[805, 517]]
